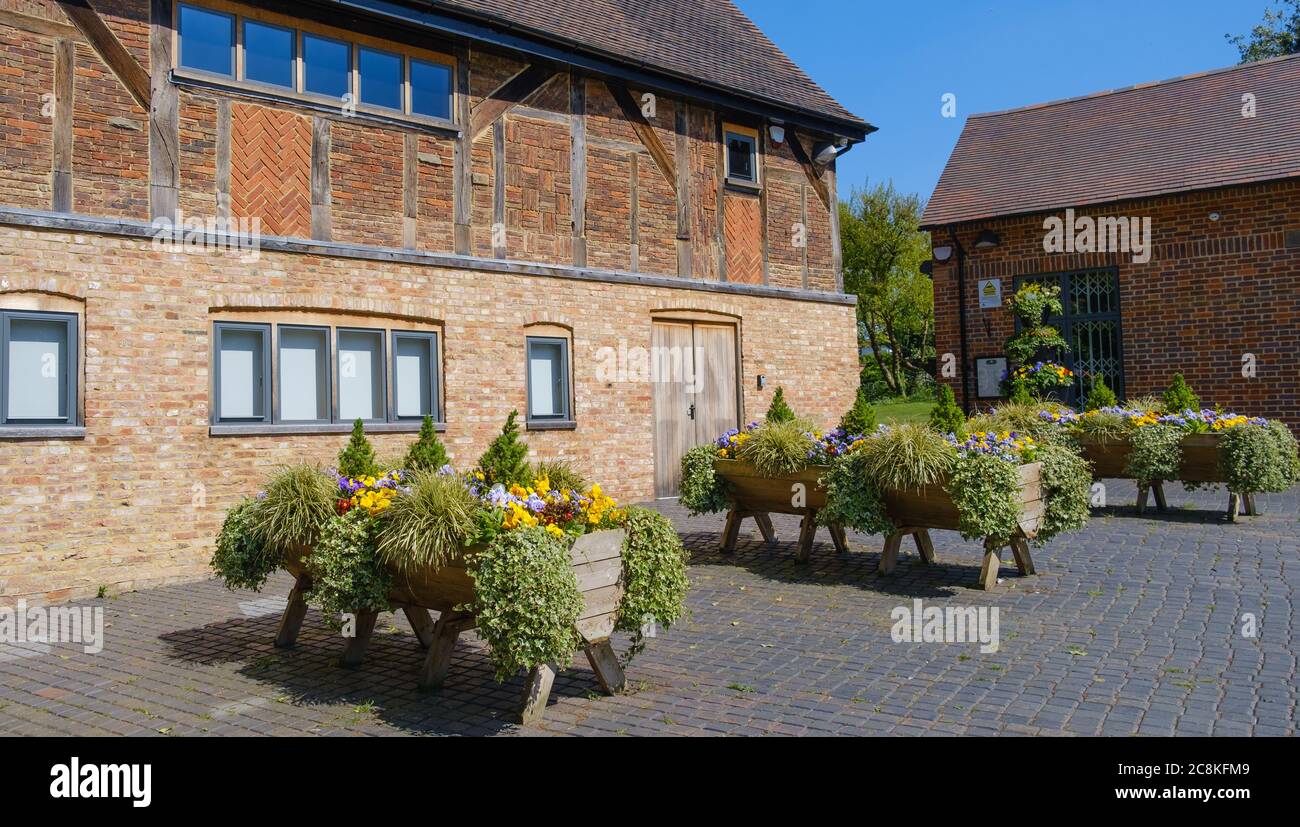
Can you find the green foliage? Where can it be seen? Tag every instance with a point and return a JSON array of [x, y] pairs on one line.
[[427, 452], [1017, 418], [906, 457], [345, 573], [884, 248], [241, 558], [1100, 396], [1067, 491], [1278, 35], [562, 475], [357, 459], [985, 490], [1179, 396], [946, 417], [1104, 427], [654, 575], [777, 448], [861, 418], [852, 498], [526, 601], [1020, 394], [506, 459], [779, 411], [1260, 458], [1157, 453], [298, 501], [1031, 304], [429, 524], [702, 491]]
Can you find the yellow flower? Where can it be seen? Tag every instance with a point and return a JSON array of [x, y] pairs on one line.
[[554, 530]]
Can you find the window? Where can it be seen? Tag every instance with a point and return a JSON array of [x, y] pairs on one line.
[[327, 66], [243, 364], [269, 54], [274, 52], [1091, 324], [742, 155], [38, 368], [415, 375], [548, 379], [361, 375], [207, 40], [304, 374]]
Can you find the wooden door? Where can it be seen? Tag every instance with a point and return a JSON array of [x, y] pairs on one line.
[[695, 395]]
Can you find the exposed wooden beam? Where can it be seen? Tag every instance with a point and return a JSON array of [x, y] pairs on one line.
[[685, 267], [837, 252], [322, 223], [164, 115], [65, 61], [462, 161], [634, 214], [499, 189], [410, 190], [39, 25], [223, 157], [809, 170], [578, 164], [101, 38], [507, 95], [644, 131]]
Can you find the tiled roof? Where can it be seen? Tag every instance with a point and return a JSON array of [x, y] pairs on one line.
[[709, 41], [1188, 133]]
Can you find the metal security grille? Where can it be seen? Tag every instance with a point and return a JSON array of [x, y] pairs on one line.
[[1091, 324]]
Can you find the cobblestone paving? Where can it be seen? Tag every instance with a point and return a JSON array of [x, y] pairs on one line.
[[1133, 626]]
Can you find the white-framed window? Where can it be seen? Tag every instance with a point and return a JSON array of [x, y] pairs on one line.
[[742, 158], [38, 369]]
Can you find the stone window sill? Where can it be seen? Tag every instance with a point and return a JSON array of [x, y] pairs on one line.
[[551, 425], [308, 429], [43, 432]]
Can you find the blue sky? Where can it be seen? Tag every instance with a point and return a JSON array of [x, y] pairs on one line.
[[891, 62]]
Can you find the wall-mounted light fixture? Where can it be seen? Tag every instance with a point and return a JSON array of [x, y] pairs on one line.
[[942, 253], [762, 381], [986, 240], [826, 153], [777, 132], [1214, 216]]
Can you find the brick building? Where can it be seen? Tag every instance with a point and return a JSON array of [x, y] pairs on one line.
[[229, 229], [1185, 257]]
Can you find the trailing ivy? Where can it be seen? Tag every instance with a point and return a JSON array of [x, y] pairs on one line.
[[526, 600], [1259, 458], [1157, 453], [346, 574], [702, 491], [242, 558], [852, 498], [986, 491], [654, 576], [1067, 491]]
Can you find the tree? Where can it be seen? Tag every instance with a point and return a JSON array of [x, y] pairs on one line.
[[1179, 397], [357, 459], [779, 410], [506, 459], [883, 250], [861, 418], [945, 416], [427, 452], [1278, 35]]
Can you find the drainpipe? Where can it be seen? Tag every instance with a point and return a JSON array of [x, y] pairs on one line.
[[961, 317]]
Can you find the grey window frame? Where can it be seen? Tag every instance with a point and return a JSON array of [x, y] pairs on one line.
[[72, 383], [753, 182], [567, 414], [384, 392], [236, 32], [268, 378], [435, 372], [329, 374]]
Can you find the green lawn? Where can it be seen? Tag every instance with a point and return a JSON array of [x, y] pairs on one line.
[[901, 412]]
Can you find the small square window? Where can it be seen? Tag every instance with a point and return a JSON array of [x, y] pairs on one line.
[[380, 76], [304, 373], [548, 379], [268, 54], [742, 156], [328, 66], [415, 375], [207, 40], [361, 375], [241, 374], [430, 89], [38, 368]]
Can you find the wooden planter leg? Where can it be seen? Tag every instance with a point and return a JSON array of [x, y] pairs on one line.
[[1234, 507], [1248, 505], [807, 533], [537, 690], [291, 620], [421, 623], [1020, 549], [992, 561], [605, 664], [889, 557], [924, 545], [765, 527], [731, 532], [354, 652], [443, 642], [1143, 490], [839, 538], [1159, 488]]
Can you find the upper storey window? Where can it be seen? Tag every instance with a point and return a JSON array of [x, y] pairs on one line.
[[271, 52], [742, 155]]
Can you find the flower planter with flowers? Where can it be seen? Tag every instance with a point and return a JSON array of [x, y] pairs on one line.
[[541, 569]]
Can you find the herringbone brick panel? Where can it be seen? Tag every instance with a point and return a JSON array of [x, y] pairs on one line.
[[743, 226], [270, 169]]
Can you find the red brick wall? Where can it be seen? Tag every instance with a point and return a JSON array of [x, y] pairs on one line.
[[1212, 292]]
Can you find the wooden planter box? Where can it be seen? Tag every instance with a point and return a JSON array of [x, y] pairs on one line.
[[597, 564], [916, 512], [757, 496], [1200, 464]]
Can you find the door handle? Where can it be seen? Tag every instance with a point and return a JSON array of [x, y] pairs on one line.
[[691, 411]]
